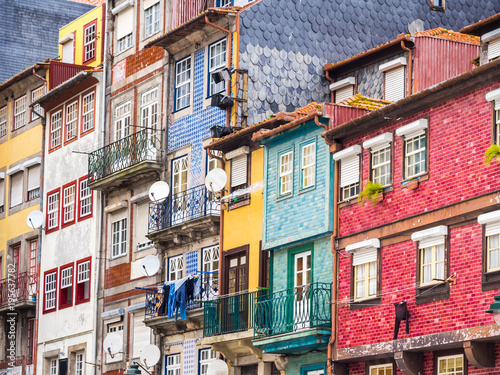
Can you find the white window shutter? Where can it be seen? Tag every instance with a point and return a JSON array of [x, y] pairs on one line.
[[142, 224], [68, 53], [349, 170], [492, 228], [494, 49], [344, 93], [34, 177], [125, 22], [395, 84], [239, 171], [142, 334], [2, 192], [363, 256], [16, 186]]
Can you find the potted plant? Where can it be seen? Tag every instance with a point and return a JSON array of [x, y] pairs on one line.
[[372, 192], [411, 184], [493, 152]]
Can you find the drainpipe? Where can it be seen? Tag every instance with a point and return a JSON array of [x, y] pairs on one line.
[[408, 91], [328, 141], [230, 54], [327, 74], [44, 83]]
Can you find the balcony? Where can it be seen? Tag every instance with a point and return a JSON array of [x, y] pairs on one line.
[[17, 293], [294, 320], [184, 217], [23, 363], [127, 159], [157, 308]]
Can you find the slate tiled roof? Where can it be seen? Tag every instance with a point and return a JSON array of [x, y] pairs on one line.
[[449, 34], [91, 2], [364, 102]]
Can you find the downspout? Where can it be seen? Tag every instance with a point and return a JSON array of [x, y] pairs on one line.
[[327, 74], [410, 58], [230, 54], [44, 83], [328, 141]]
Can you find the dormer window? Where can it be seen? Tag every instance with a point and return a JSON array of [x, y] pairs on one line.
[[343, 89], [492, 41], [394, 79], [124, 20]]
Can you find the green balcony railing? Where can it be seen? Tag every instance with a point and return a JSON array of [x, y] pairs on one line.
[[293, 310], [229, 314], [145, 145]]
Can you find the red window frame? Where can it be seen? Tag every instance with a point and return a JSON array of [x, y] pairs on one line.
[[94, 91], [66, 294], [33, 259], [79, 207], [45, 310], [88, 61], [16, 253], [61, 129], [69, 103], [47, 229], [63, 208], [80, 287]]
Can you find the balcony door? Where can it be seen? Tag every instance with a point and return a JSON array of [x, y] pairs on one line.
[[149, 122], [235, 316], [302, 288], [180, 204], [120, 152]]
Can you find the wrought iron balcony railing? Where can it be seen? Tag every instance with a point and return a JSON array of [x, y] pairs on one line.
[[293, 310], [19, 289], [227, 314], [181, 207], [136, 148], [157, 301], [21, 361]]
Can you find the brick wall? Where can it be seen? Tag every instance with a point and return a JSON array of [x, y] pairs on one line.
[[143, 59], [117, 275]]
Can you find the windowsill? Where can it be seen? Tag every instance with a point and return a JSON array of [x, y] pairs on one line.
[[348, 202], [82, 301], [81, 218], [365, 303], [117, 257], [64, 225], [125, 50], [54, 149], [180, 109], [307, 189], [68, 141], [284, 197], [491, 281], [86, 132], [433, 292], [150, 36], [420, 177], [61, 307]]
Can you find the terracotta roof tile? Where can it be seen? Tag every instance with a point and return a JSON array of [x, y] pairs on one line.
[[449, 34], [364, 102]]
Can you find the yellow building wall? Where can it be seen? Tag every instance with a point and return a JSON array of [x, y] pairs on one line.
[[243, 225], [77, 26]]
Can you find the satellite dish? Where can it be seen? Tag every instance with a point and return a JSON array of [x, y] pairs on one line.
[[216, 180], [112, 344], [150, 265], [150, 355], [159, 191], [217, 367], [35, 219]]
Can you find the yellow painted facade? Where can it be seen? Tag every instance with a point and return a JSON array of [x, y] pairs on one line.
[[76, 29], [243, 225]]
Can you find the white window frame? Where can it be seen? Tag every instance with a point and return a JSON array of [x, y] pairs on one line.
[[53, 210], [122, 120], [173, 364], [50, 289], [124, 19], [3, 121], [85, 201], [180, 168], [494, 98], [80, 363], [88, 105], [414, 132], [125, 43], [349, 158], [384, 367], [175, 268], [308, 165], [215, 51], [182, 80], [149, 108], [35, 95], [491, 221], [211, 263], [54, 366], [67, 277], [83, 272], [55, 129], [433, 239], [115, 328], [380, 145], [285, 173], [69, 198], [206, 356], [146, 242], [447, 358], [367, 279], [119, 237], [344, 87], [71, 127], [364, 254], [151, 20], [213, 163], [89, 42], [20, 112], [391, 67]]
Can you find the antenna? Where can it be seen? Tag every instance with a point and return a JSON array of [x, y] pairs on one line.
[[35, 219], [216, 180], [217, 367], [150, 265], [150, 355], [112, 344], [159, 191]]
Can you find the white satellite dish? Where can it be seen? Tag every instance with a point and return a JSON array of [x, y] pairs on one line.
[[216, 180], [159, 191], [35, 219], [150, 355], [112, 344], [150, 265], [217, 367]]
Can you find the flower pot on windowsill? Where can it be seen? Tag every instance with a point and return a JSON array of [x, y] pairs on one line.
[[412, 184], [372, 192]]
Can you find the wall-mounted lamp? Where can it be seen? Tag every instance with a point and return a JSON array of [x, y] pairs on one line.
[[495, 309], [222, 74]]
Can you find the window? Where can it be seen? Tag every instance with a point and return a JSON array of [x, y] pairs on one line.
[[19, 112], [182, 83], [142, 335], [16, 252], [124, 27], [492, 40], [365, 268], [451, 365], [308, 165], [216, 60], [385, 369], [125, 43], [142, 227], [179, 175], [380, 153], [68, 51], [224, 3], [35, 95], [69, 196], [211, 265], [343, 89], [89, 43], [206, 356], [437, 5], [149, 109], [79, 363], [152, 20], [33, 259], [491, 249], [3, 121], [415, 147], [50, 290], [88, 112], [494, 98], [174, 364], [116, 328], [66, 288], [85, 199], [122, 121], [54, 366], [239, 172], [2, 194], [431, 264], [34, 182], [349, 171], [286, 173], [30, 341], [55, 129], [175, 268], [16, 186], [213, 163], [71, 121], [119, 237], [82, 281], [53, 210], [394, 79]]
